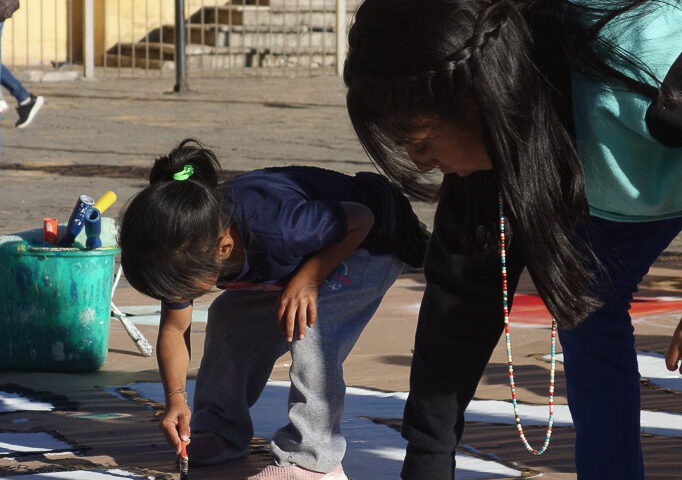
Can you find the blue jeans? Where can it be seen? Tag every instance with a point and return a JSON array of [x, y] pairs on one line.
[[13, 85], [8, 80], [602, 378]]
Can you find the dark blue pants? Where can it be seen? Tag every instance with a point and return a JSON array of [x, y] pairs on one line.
[[460, 323], [602, 378]]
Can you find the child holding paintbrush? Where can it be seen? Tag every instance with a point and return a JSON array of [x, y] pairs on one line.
[[318, 248]]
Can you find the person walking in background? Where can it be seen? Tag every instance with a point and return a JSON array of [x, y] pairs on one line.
[[7, 9], [28, 104]]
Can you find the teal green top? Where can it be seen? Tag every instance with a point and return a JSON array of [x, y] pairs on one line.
[[629, 175]]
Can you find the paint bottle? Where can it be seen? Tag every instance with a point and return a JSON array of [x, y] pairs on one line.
[[105, 201], [76, 220], [50, 230], [93, 228]]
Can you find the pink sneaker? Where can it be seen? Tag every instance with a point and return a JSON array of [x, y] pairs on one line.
[[274, 472]]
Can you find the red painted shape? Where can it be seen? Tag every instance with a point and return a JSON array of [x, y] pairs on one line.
[[530, 309]]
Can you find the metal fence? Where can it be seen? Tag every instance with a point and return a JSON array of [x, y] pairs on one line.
[[135, 38], [41, 36]]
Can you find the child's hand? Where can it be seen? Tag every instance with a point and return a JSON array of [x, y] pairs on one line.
[[297, 306], [175, 422], [674, 356]]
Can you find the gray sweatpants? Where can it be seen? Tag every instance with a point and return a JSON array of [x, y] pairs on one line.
[[243, 343]]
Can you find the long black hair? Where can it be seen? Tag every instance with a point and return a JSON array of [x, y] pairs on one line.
[[169, 232], [413, 59]]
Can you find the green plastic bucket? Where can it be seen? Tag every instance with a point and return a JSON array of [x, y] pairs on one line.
[[54, 307]]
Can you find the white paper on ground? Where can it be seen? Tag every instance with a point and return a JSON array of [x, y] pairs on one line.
[[374, 451], [651, 367], [14, 402], [665, 424], [11, 442], [468, 467], [113, 474]]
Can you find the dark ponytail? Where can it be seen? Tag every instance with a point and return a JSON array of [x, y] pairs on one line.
[[189, 152], [411, 59], [170, 230]]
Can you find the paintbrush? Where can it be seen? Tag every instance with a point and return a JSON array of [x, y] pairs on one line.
[[183, 462]]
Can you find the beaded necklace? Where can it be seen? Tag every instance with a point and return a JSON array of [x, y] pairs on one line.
[[512, 385]]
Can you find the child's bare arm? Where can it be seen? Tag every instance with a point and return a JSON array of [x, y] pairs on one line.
[[297, 303], [173, 353]]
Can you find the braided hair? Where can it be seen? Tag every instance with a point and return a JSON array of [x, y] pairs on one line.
[[510, 60]]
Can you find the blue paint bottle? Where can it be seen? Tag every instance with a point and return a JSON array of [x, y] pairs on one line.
[[76, 220], [93, 228]]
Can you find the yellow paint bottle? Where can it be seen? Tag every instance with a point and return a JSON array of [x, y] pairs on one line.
[[105, 201]]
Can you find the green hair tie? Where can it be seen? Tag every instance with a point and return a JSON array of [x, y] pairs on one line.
[[186, 172]]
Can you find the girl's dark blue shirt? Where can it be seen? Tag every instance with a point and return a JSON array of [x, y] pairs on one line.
[[287, 214]]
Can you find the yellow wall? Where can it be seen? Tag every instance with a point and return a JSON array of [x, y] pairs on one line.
[[124, 20], [128, 21], [37, 33], [134, 12]]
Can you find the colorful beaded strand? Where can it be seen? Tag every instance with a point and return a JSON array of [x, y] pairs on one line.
[[512, 385]]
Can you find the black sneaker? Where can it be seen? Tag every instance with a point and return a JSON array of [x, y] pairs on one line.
[[28, 112]]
